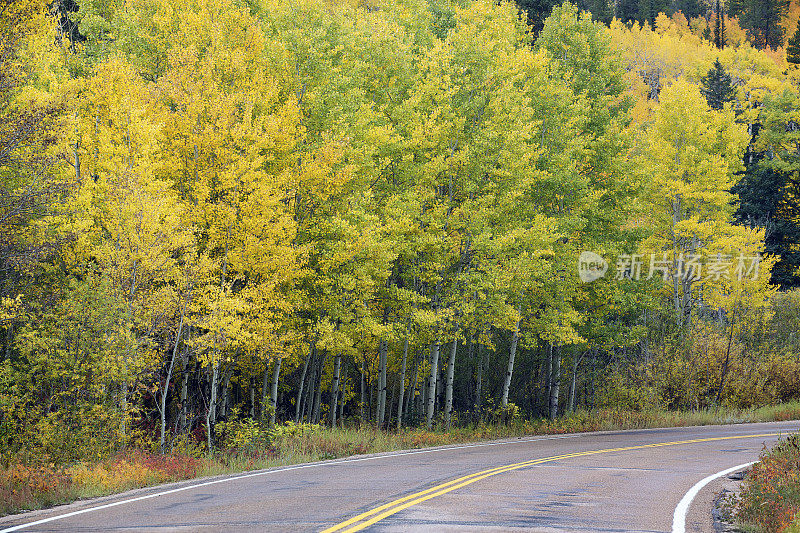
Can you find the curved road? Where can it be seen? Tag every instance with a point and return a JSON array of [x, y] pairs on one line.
[[609, 481]]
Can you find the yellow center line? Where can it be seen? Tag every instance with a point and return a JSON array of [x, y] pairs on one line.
[[377, 514]]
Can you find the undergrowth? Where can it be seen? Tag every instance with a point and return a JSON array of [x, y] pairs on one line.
[[770, 498]]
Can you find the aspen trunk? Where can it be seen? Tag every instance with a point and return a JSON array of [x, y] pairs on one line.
[[448, 396], [380, 411], [479, 381], [571, 404], [555, 378], [402, 385], [337, 363], [547, 377], [413, 390], [311, 381], [302, 384], [252, 388], [315, 415], [342, 387], [123, 401], [211, 412], [223, 406], [273, 395], [572, 384], [725, 365], [431, 389], [363, 403], [423, 397], [511, 355], [77, 162], [182, 421], [264, 390], [308, 394], [165, 392]]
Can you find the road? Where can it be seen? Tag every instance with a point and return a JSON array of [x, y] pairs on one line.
[[608, 481]]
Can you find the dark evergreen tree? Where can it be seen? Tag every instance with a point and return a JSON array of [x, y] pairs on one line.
[[717, 86], [793, 48], [707, 34], [689, 8], [66, 25], [762, 20], [627, 10], [735, 7], [601, 10], [763, 193], [538, 11], [648, 10], [719, 25]]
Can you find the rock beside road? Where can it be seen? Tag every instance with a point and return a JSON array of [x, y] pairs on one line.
[[710, 512]]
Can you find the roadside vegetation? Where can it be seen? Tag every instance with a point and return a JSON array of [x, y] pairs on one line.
[[769, 501], [249, 445], [228, 224]]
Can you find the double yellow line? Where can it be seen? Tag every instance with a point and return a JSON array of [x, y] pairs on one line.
[[364, 520]]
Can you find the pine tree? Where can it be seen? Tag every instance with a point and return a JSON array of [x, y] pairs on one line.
[[627, 10], [538, 11], [762, 20], [717, 86], [601, 10], [689, 8], [793, 48], [736, 7], [763, 193]]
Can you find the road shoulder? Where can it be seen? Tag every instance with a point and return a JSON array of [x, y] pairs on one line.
[[707, 513]]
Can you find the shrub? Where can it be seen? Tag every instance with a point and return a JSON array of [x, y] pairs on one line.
[[770, 497], [31, 487]]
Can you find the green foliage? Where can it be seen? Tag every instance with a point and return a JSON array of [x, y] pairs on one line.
[[242, 435]]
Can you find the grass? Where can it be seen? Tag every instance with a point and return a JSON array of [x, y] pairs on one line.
[[246, 446]]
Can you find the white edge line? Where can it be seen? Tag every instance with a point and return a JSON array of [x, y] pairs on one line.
[[276, 470], [679, 518]]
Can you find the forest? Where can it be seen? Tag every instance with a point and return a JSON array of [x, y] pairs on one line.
[[220, 214]]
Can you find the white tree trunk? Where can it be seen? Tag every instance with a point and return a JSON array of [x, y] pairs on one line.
[[211, 412], [448, 394], [511, 355], [163, 406], [555, 379], [479, 381], [301, 385], [431, 389], [380, 413], [337, 364], [273, 393], [402, 385]]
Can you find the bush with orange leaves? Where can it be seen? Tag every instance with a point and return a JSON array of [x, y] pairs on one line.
[[29, 487], [770, 497]]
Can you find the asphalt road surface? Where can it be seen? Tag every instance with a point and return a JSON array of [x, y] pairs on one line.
[[609, 482]]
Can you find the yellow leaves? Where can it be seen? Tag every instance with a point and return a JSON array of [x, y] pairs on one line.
[[693, 151], [10, 309]]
